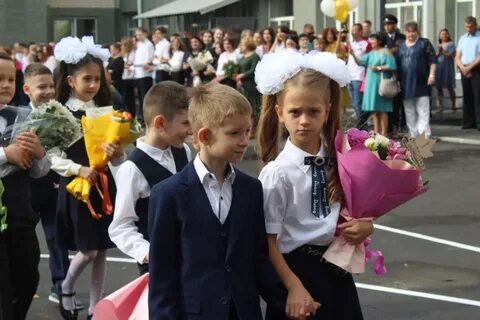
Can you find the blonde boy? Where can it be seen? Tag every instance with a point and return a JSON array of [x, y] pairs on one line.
[[208, 247]]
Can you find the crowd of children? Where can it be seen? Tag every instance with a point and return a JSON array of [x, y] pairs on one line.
[[212, 238]]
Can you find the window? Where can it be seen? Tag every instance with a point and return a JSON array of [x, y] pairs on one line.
[[61, 29], [75, 27], [463, 9], [405, 11]]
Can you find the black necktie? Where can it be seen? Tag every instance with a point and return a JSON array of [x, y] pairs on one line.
[[319, 186]]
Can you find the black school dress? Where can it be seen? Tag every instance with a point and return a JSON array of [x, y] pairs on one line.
[[76, 228]]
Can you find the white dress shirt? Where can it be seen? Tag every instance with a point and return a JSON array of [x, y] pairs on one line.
[[123, 230], [129, 73], [162, 50], [220, 197], [144, 54], [176, 61], [223, 59], [360, 48], [287, 185]]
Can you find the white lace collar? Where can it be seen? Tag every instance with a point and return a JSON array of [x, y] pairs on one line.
[[75, 104]]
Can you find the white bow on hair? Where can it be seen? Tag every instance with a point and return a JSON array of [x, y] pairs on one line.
[[71, 50], [276, 68]]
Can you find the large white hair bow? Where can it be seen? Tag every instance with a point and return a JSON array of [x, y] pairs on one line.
[[276, 68], [71, 49]]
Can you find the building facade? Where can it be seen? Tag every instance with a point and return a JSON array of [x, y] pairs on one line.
[[109, 20], [431, 15]]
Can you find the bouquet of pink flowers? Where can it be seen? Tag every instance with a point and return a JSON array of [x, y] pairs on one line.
[[377, 175]]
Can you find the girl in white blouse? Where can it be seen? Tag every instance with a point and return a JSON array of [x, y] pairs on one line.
[[81, 86], [229, 54], [175, 63], [302, 191]]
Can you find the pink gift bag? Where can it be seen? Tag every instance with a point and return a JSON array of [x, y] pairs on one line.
[[128, 303]]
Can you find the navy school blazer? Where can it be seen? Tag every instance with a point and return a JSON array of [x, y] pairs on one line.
[[188, 277]]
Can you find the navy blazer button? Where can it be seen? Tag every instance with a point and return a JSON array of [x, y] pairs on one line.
[[228, 268], [224, 300]]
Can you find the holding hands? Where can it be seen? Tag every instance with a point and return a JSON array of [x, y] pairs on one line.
[[300, 304]]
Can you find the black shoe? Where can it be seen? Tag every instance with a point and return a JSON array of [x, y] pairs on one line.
[[90, 316], [67, 314], [469, 126], [55, 297]]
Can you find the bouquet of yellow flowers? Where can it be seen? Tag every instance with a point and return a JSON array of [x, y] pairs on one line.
[[102, 125]]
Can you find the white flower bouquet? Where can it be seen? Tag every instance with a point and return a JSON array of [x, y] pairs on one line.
[[54, 124]]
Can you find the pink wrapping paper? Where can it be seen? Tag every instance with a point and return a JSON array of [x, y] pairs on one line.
[[372, 187], [128, 303]]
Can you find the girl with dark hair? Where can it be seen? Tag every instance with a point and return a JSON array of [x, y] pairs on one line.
[[280, 42], [177, 54], [116, 66], [228, 56], [47, 57], [81, 86], [198, 63], [268, 37], [378, 62], [445, 75]]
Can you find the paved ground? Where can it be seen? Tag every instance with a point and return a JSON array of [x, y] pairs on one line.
[[449, 211]]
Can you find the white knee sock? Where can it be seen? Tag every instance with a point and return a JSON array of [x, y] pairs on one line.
[[78, 264], [97, 280]]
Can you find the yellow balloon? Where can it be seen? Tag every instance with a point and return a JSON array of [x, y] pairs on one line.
[[342, 10]]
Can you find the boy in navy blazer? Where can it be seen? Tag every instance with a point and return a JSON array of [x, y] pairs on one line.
[[208, 245]]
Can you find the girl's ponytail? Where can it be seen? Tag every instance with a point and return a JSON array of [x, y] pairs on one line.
[[268, 130], [62, 89], [335, 192]]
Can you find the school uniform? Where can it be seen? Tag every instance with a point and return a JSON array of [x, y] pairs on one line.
[[76, 228], [19, 249], [143, 79], [162, 50], [208, 247], [305, 225], [145, 167], [44, 202]]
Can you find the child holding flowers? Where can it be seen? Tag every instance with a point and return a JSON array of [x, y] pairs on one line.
[[302, 191], [81, 86], [19, 250]]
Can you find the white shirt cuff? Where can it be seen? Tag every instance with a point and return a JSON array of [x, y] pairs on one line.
[[3, 156], [273, 227], [141, 253]]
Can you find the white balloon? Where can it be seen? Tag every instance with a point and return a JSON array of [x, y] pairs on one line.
[[328, 8], [353, 4]]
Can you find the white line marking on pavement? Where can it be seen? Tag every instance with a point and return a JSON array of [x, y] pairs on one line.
[[359, 285], [419, 294], [459, 140], [428, 238], [109, 259]]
